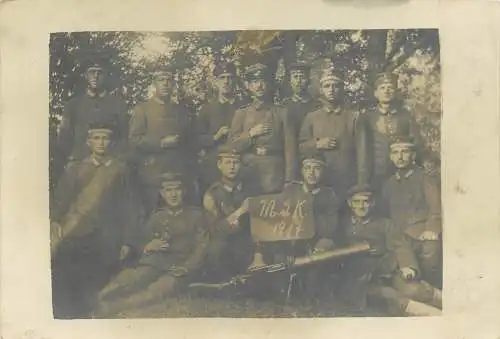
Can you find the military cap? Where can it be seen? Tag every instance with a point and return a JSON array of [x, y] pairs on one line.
[[101, 126], [224, 68], [164, 69], [358, 189], [318, 157], [300, 66], [171, 179], [228, 151], [402, 141], [98, 60], [257, 70], [331, 73], [385, 78]]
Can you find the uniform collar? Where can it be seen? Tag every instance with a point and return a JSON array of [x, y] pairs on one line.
[[232, 187], [356, 221], [101, 162], [225, 100], [330, 109], [313, 191], [400, 175], [95, 95], [390, 111], [303, 99], [260, 105], [160, 101], [174, 213]]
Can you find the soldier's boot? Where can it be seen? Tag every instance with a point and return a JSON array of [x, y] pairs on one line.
[[415, 308]]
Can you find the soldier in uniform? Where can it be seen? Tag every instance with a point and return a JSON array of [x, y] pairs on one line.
[[95, 105], [214, 122], [172, 247], [225, 206], [387, 120], [300, 103], [264, 135], [389, 274], [160, 135], [339, 133], [90, 225], [413, 200]]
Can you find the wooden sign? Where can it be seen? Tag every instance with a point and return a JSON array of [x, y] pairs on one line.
[[278, 217]]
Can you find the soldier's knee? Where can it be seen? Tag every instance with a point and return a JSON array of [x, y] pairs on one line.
[[430, 254], [412, 290], [163, 287]]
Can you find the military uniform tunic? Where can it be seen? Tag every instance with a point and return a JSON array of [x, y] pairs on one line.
[[270, 159], [298, 108], [347, 164]]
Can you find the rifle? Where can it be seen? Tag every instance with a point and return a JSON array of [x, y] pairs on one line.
[[305, 261]]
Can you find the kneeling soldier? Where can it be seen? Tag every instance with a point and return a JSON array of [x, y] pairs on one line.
[[389, 273], [230, 250], [173, 245], [414, 204]]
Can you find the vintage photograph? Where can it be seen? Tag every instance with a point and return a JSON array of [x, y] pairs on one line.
[[245, 174]]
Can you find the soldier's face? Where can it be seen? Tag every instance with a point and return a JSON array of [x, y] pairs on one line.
[[229, 167], [385, 93], [331, 90], [257, 87], [299, 81], [361, 204], [312, 172], [99, 142], [402, 157], [95, 77], [225, 83], [173, 195], [164, 85]]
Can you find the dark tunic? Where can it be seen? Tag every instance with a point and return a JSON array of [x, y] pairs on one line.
[[347, 164], [298, 108], [413, 201], [82, 110]]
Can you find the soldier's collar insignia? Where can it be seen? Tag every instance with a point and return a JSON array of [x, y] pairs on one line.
[[94, 95], [174, 213], [357, 221], [406, 175], [313, 191], [103, 162]]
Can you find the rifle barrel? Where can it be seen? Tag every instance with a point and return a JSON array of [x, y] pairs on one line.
[[328, 255]]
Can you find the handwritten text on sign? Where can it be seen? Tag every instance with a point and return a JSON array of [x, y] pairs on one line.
[[276, 217]]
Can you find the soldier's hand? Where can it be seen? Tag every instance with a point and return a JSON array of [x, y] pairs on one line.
[[323, 244], [170, 140], [125, 252], [429, 235], [222, 132], [178, 271], [233, 219], [245, 205], [408, 273], [156, 245], [326, 143], [260, 129]]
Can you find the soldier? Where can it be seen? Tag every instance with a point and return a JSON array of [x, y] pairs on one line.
[[300, 103], [95, 105], [160, 133], [387, 120], [214, 122], [264, 135], [414, 204], [225, 205], [389, 273], [339, 133], [172, 247], [90, 225]]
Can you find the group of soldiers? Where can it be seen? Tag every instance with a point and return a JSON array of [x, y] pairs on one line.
[[192, 178]]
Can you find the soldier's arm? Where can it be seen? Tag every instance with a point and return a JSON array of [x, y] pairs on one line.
[[65, 139], [123, 127], [64, 193], [397, 244], [240, 139], [433, 199], [291, 148], [205, 138], [138, 136], [361, 135], [216, 220], [307, 141], [196, 258]]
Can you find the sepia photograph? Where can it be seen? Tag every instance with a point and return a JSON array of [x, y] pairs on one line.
[[291, 173]]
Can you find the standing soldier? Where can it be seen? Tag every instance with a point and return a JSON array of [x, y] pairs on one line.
[[95, 105], [90, 225], [214, 122], [339, 133], [387, 120], [172, 247], [413, 201], [225, 204], [160, 134], [389, 273], [300, 103], [264, 135]]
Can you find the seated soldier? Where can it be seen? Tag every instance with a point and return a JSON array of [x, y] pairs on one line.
[[389, 273], [230, 251], [172, 245], [414, 204]]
